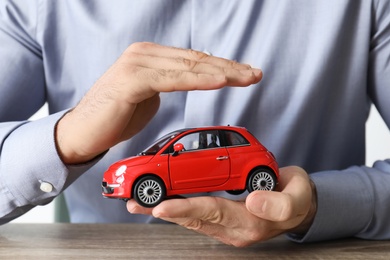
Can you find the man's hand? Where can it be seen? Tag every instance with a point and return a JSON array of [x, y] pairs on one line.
[[126, 97], [264, 214]]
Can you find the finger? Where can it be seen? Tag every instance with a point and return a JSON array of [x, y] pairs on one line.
[[184, 208], [166, 80], [272, 206], [152, 49], [238, 77], [204, 208], [225, 220], [209, 216], [147, 82], [134, 208]]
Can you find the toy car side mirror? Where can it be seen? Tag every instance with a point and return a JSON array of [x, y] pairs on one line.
[[177, 148]]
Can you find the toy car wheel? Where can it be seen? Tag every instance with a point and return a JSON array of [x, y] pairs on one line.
[[261, 179], [149, 191]]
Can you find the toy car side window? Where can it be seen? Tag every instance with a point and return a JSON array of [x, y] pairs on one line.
[[212, 138], [235, 139], [200, 140], [190, 141]]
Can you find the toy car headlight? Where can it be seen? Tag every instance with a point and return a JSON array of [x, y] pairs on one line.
[[120, 170], [120, 179]]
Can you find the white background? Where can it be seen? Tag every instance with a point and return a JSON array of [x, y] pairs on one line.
[[378, 147]]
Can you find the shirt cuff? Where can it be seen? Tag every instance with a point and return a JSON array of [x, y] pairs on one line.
[[344, 206], [32, 171]]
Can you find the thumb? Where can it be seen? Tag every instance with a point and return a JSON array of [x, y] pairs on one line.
[[272, 206], [292, 202]]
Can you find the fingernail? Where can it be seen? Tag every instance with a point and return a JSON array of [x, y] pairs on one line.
[[257, 204], [260, 209], [257, 72]]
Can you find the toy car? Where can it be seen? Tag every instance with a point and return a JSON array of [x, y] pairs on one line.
[[193, 160]]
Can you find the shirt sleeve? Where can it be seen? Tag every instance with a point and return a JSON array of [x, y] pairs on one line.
[[31, 172], [354, 202], [350, 203]]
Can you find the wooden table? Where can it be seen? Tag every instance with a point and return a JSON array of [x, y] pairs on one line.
[[142, 241]]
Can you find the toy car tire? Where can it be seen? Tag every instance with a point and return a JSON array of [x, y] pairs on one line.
[[261, 179], [235, 192], [149, 191]]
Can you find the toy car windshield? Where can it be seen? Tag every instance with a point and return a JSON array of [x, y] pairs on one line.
[[157, 145]]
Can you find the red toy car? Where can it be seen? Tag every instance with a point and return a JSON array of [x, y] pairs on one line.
[[193, 160]]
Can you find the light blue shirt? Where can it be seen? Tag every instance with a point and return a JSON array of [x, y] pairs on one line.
[[324, 63]]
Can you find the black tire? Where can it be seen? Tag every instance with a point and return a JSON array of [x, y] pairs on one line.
[[235, 192], [261, 179], [149, 191]]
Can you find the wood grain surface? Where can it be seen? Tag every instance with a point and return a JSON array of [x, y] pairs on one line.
[[162, 241]]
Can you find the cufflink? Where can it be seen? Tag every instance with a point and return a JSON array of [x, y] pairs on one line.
[[45, 186]]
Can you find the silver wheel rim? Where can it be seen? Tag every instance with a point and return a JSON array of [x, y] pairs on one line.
[[149, 192], [262, 181]]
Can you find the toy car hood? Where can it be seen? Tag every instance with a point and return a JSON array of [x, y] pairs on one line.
[[132, 161]]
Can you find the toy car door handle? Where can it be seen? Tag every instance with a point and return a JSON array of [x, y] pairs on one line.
[[220, 158]]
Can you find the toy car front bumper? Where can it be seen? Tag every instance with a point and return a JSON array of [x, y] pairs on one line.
[[107, 188]]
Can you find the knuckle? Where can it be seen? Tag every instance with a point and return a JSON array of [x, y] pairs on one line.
[[169, 73], [161, 75], [193, 224], [187, 64], [254, 236], [135, 70], [240, 243], [155, 75], [232, 64], [138, 47], [130, 57], [287, 210], [217, 215], [248, 238], [198, 55]]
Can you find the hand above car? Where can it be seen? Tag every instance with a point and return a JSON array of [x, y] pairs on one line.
[[126, 97]]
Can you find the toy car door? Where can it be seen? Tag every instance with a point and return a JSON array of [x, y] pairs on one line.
[[200, 164]]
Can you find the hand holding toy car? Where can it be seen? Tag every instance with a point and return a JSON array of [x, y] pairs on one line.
[[165, 168], [263, 215]]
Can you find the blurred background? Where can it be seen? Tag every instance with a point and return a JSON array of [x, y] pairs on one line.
[[378, 148]]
